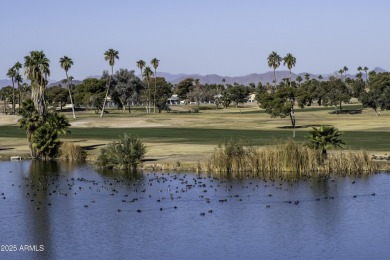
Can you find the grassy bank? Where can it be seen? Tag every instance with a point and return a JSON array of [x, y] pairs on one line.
[[355, 140], [179, 140]]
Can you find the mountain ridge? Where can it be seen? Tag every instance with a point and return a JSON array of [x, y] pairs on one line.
[[266, 77]]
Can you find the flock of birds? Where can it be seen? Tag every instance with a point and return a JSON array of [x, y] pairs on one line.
[[163, 189]]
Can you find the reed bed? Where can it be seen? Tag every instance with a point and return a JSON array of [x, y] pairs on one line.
[[234, 158], [71, 152]]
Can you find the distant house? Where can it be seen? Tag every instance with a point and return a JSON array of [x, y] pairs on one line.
[[174, 100], [252, 98]]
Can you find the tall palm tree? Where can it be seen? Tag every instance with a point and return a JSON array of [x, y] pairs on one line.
[[341, 71], [274, 62], [141, 64], [66, 63], [110, 55], [290, 61], [147, 74], [154, 63], [345, 69], [37, 69], [12, 74], [325, 137], [366, 70], [18, 79]]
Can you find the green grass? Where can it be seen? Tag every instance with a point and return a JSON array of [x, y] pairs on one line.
[[377, 141]]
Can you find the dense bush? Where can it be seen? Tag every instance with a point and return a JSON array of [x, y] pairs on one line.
[[127, 153]]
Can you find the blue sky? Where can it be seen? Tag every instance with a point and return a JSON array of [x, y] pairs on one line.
[[224, 37]]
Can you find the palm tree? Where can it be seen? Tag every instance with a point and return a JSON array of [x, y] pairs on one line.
[[290, 61], [147, 74], [66, 63], [366, 70], [18, 79], [341, 73], [141, 64], [325, 137], [111, 55], [345, 69], [12, 74], [307, 76], [299, 79], [274, 62], [36, 68], [155, 62]]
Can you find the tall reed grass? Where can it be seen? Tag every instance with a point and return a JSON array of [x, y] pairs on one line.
[[71, 152], [234, 158]]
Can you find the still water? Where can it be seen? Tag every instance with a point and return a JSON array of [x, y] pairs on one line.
[[63, 211]]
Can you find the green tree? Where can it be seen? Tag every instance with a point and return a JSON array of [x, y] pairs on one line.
[[299, 79], [280, 103], [90, 93], [274, 62], [148, 73], [184, 87], [126, 86], [57, 96], [66, 63], [155, 63], [307, 77], [197, 93], [290, 61], [337, 92], [377, 95], [325, 137], [238, 94], [163, 92], [110, 55]]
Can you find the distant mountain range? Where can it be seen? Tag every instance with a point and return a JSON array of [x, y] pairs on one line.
[[216, 79]]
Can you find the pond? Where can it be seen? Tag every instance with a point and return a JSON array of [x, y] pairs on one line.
[[65, 211]]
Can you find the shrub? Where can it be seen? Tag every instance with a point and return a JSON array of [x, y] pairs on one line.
[[72, 152], [127, 153]]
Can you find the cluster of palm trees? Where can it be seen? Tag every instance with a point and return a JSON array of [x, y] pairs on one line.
[[14, 75], [147, 73], [274, 60]]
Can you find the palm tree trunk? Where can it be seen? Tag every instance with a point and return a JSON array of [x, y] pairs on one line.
[[155, 89], [292, 118], [274, 78], [108, 88], [70, 94], [290, 78], [18, 97], [148, 97], [13, 96]]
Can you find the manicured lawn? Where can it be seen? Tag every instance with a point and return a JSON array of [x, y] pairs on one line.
[[376, 141]]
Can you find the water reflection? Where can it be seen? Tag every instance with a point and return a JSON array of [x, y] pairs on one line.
[[182, 215]]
